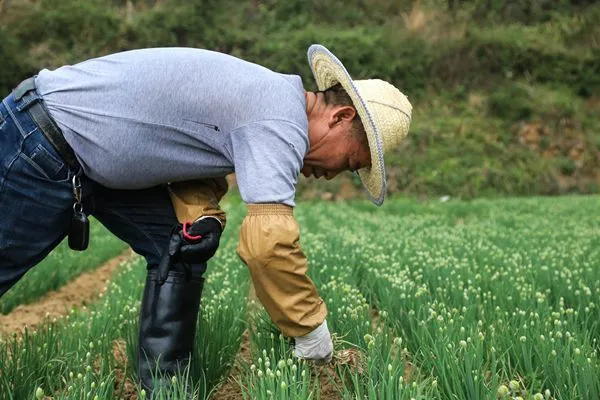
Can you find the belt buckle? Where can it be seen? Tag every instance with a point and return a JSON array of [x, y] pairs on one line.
[[26, 86]]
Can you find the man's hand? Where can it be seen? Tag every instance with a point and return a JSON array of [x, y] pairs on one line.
[[202, 249], [316, 345]]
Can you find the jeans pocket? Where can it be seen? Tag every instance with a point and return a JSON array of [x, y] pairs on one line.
[[47, 164]]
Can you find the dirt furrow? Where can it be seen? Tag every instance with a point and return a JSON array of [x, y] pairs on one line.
[[81, 291], [231, 390]]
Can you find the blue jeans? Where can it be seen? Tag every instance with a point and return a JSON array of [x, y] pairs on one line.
[[36, 202]]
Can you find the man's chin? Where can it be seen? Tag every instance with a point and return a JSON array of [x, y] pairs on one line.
[[315, 173]]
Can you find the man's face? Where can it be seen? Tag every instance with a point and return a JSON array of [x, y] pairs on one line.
[[333, 145]]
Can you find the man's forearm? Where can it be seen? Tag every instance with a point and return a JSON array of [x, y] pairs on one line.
[[198, 198], [269, 245]]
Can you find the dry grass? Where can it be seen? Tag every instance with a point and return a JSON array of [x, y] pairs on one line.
[[433, 25]]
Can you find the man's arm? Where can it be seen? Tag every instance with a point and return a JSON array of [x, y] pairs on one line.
[[199, 198], [196, 204], [269, 245], [268, 158]]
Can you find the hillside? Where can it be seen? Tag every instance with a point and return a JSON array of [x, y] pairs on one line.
[[506, 95]]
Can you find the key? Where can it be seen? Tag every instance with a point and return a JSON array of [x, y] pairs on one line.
[[79, 231]]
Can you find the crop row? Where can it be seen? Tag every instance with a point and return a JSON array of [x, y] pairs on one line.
[[485, 300], [449, 300], [85, 354]]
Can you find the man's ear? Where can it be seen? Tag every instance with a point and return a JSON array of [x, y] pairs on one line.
[[342, 114]]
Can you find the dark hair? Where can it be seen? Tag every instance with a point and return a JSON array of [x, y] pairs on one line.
[[337, 96]]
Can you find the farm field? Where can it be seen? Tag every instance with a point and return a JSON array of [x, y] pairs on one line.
[[62, 266], [438, 300]]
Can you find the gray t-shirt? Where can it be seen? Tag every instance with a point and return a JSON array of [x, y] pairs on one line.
[[145, 117]]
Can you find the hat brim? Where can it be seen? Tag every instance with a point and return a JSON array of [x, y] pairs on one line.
[[328, 71]]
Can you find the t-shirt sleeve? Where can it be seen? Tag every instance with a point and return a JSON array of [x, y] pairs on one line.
[[268, 156]]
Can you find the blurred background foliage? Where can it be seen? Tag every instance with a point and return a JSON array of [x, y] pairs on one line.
[[506, 94]]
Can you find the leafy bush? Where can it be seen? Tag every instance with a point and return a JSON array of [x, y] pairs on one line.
[[81, 28], [14, 66], [523, 11], [527, 62], [512, 102]]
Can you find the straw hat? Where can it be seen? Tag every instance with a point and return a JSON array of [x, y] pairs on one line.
[[384, 111]]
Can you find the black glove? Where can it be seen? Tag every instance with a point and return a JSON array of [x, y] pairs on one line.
[[194, 251]]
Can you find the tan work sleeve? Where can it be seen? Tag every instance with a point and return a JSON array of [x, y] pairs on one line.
[[269, 245], [198, 198]]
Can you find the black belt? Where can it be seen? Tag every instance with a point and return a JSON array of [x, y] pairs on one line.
[[40, 116]]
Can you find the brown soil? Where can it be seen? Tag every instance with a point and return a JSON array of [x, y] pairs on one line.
[[329, 380], [124, 387], [230, 389], [81, 291]]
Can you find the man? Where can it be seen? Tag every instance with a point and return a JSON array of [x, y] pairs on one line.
[[143, 139]]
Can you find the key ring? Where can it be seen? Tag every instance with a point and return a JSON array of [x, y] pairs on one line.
[[77, 192]]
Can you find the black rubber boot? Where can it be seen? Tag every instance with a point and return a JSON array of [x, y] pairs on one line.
[[167, 328]]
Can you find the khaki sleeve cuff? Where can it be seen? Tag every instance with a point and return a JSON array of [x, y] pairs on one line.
[[269, 209]]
